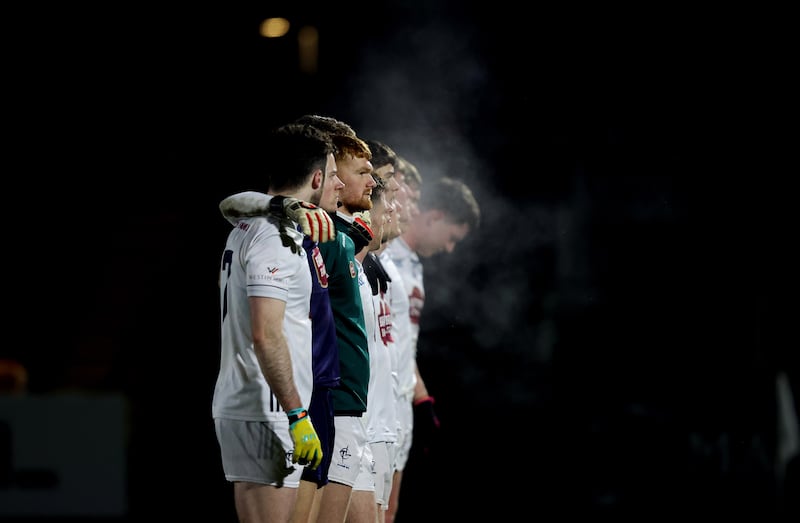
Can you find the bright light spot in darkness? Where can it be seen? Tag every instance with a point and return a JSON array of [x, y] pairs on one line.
[[274, 27]]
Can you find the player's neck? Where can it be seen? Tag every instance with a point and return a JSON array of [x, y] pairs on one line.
[[410, 239], [362, 254]]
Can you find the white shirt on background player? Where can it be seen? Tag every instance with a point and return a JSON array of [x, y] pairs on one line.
[[403, 355], [381, 411], [409, 266]]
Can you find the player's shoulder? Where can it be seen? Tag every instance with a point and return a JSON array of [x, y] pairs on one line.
[[340, 244], [260, 223], [256, 229], [345, 240], [397, 250]]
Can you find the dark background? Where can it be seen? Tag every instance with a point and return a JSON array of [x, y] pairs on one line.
[[607, 342]]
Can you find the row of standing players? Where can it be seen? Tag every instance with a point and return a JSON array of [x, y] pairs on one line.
[[319, 325]]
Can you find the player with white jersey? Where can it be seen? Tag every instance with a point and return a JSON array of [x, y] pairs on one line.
[[318, 227], [372, 488], [265, 377], [404, 377], [256, 262], [405, 316]]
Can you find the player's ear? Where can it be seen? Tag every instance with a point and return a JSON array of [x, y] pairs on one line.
[[317, 179], [434, 215]]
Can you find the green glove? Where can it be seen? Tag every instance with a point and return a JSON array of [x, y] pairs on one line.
[[307, 447]]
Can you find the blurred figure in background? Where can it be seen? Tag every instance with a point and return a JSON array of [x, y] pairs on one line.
[[448, 212], [410, 180]]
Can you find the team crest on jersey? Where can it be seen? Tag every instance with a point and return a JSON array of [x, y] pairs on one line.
[[319, 264], [416, 301], [385, 321], [352, 269]]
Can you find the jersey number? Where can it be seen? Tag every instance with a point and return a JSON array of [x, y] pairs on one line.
[[227, 256]]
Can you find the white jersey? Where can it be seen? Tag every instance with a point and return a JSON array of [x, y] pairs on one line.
[[409, 266], [380, 417], [402, 350], [255, 263]]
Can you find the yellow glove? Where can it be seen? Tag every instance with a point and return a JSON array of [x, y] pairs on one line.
[[307, 447]]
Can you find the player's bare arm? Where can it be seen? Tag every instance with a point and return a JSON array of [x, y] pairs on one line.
[[266, 318]]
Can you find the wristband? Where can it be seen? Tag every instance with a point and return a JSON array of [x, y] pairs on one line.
[[423, 400], [276, 205], [296, 415]]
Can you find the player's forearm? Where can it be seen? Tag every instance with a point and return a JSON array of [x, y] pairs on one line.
[[420, 390], [276, 364], [244, 204]]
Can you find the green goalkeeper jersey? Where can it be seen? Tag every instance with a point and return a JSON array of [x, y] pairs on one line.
[[350, 397]]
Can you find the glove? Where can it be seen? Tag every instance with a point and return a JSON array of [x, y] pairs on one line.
[[376, 273], [361, 232], [426, 424], [314, 221], [307, 447]]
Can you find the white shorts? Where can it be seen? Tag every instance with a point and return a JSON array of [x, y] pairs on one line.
[[382, 471], [366, 476], [405, 417], [258, 451], [351, 453]]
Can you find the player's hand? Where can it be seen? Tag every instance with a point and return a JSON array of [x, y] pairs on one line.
[[361, 227], [307, 447], [426, 424], [315, 221]]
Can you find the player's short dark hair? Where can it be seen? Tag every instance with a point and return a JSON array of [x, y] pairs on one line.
[[454, 198], [292, 152], [328, 124], [412, 176], [382, 154]]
